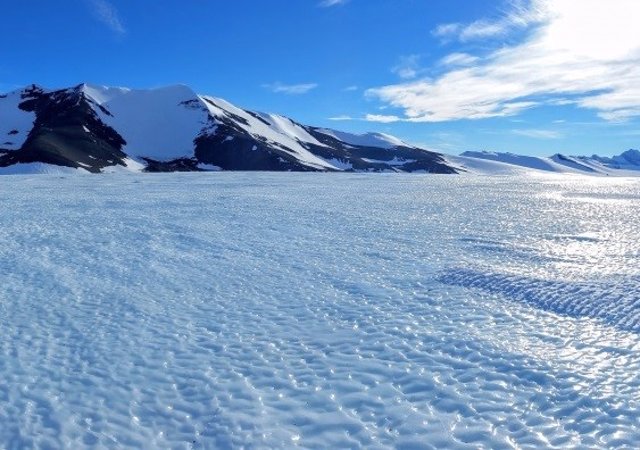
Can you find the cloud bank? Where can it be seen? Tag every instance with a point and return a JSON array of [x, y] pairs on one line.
[[585, 53]]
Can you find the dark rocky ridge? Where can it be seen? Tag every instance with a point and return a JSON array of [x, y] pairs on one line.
[[59, 135]]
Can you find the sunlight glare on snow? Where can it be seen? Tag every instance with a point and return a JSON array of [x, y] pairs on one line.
[[221, 310]]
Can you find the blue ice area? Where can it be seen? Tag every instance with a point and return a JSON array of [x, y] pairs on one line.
[[239, 310]]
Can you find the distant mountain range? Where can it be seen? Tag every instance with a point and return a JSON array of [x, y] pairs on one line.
[[626, 164], [103, 129]]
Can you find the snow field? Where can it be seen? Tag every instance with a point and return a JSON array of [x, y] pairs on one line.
[[227, 310], [155, 123], [15, 124]]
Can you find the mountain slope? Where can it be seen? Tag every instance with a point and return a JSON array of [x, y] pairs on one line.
[[168, 129], [66, 131], [626, 164]]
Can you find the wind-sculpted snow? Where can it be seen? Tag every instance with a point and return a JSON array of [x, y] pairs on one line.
[[606, 301], [235, 310]]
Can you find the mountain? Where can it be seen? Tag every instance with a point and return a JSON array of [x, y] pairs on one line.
[[97, 129], [629, 160], [626, 164], [104, 129]]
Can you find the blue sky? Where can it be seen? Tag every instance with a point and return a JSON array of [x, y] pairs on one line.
[[526, 76]]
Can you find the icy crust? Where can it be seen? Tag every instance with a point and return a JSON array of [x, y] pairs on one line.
[[273, 311], [599, 300], [15, 124]]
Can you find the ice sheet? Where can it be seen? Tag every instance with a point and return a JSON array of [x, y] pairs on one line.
[[227, 310]]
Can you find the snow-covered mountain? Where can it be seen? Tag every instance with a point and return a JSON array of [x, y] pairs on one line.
[[100, 129], [626, 164]]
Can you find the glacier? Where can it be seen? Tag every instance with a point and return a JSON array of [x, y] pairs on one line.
[[309, 310]]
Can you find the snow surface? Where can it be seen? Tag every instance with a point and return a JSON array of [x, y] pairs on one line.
[[531, 162], [12, 119], [286, 126], [40, 168], [495, 163], [481, 166], [340, 163], [394, 162], [228, 310], [155, 123], [209, 167], [366, 140], [131, 166]]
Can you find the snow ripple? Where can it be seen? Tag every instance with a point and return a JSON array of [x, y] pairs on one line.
[[607, 302], [232, 310]]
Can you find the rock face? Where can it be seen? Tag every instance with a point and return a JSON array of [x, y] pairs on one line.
[[174, 129], [66, 132]]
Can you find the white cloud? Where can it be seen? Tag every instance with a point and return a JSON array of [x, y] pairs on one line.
[[329, 3], [382, 118], [379, 118], [588, 51], [520, 15], [106, 13], [408, 67], [459, 59], [290, 89], [341, 118], [447, 30], [538, 134]]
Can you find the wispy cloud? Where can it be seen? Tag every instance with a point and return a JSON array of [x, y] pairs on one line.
[[408, 67], [459, 59], [520, 15], [290, 89], [351, 88], [556, 62], [329, 3], [538, 134], [480, 29], [381, 118], [106, 13]]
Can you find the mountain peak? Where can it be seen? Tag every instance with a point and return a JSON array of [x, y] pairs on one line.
[[104, 94], [96, 127], [632, 155]]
